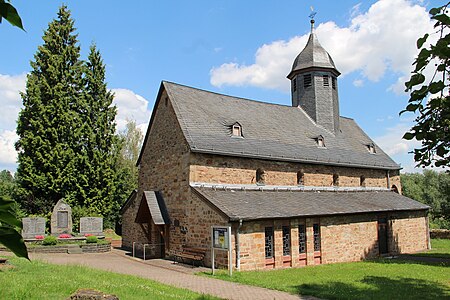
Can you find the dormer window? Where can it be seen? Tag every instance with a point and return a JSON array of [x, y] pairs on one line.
[[320, 141], [236, 130], [371, 148]]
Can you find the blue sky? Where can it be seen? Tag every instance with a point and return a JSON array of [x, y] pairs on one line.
[[240, 48]]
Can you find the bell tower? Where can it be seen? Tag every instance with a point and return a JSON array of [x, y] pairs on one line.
[[314, 84]]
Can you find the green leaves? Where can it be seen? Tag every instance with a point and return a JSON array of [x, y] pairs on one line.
[[10, 14], [422, 40], [8, 235], [433, 114]]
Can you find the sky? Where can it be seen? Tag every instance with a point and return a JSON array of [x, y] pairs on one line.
[[239, 48]]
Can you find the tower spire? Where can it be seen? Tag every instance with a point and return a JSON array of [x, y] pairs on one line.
[[312, 15]]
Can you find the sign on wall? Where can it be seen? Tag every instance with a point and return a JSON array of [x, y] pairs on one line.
[[221, 240]]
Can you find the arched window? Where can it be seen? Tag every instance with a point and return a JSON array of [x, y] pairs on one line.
[[300, 178], [394, 188], [335, 179], [236, 130], [362, 181], [260, 176]]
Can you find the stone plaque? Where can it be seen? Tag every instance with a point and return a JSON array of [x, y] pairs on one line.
[[61, 218], [91, 225], [33, 227]]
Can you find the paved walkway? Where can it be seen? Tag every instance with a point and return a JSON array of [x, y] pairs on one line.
[[165, 271]]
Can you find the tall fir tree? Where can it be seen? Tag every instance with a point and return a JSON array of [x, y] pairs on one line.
[[99, 139], [49, 124]]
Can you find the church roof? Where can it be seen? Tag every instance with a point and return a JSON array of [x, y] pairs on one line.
[[269, 131], [313, 56], [241, 204]]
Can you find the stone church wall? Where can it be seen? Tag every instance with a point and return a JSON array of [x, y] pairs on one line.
[[343, 239], [164, 166], [233, 170]]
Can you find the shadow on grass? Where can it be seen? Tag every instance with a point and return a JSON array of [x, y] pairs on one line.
[[410, 259], [376, 287]]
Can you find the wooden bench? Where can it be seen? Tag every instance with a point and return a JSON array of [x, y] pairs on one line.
[[191, 253]]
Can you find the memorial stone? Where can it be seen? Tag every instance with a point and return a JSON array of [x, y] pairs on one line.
[[61, 221], [91, 225], [33, 227]]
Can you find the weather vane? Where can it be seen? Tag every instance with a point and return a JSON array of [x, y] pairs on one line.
[[313, 13]]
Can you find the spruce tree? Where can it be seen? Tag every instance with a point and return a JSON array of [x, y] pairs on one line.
[[49, 124], [99, 140]]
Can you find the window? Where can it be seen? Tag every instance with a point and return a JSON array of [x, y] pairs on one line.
[[307, 80], [335, 180], [362, 181], [333, 82], [294, 84], [300, 177], [260, 176], [286, 240], [326, 81], [166, 101], [268, 242], [237, 130], [301, 238], [320, 141], [316, 230], [394, 188], [371, 148]]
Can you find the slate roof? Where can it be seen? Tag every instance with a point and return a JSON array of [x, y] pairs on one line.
[[313, 55], [254, 205], [153, 203], [270, 131]]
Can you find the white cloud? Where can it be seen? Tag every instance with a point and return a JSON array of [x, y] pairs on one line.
[[379, 40], [358, 83], [8, 154], [394, 145], [131, 106], [10, 101]]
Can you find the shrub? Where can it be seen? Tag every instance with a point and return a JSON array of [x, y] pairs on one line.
[[49, 241], [91, 239]]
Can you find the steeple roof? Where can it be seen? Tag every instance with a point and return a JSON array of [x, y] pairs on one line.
[[313, 56]]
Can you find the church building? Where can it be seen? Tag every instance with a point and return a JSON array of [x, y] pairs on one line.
[[299, 185]]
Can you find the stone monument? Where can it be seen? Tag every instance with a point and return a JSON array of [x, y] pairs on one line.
[[91, 225], [61, 221], [33, 227]]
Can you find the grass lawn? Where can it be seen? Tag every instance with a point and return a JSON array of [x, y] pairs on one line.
[[439, 248], [378, 279], [38, 280]]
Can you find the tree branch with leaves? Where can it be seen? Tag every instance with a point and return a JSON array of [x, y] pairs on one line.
[[429, 97], [10, 14]]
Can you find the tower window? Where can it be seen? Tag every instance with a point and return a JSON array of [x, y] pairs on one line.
[[333, 82], [326, 81], [294, 84], [307, 80], [260, 176], [300, 178], [335, 179]]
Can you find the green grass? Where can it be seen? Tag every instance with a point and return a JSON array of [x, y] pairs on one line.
[[379, 279], [439, 248], [38, 280]]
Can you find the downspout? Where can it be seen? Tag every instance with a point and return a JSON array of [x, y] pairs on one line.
[[388, 180], [238, 247]]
